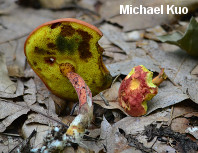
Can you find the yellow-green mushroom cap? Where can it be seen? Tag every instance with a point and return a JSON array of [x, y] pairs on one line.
[[70, 42]]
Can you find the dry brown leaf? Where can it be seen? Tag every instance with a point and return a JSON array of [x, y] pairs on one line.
[[19, 24], [49, 4], [13, 110], [112, 105], [116, 56], [169, 94], [115, 36], [178, 66], [193, 131], [19, 91], [152, 33], [6, 85], [194, 72], [78, 150], [41, 89], [7, 143], [111, 140], [10, 112], [135, 125], [30, 92], [37, 140], [160, 147], [15, 59], [111, 95], [58, 4], [186, 108], [90, 4], [179, 125], [138, 21]]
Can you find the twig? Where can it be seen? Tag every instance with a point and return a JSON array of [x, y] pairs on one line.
[[49, 117], [104, 99], [22, 145], [73, 109]]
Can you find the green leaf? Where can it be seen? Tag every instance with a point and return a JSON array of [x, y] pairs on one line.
[[188, 41]]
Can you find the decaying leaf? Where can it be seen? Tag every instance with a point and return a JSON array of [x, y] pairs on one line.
[[9, 142], [42, 131], [111, 95], [187, 41], [179, 125], [19, 91], [193, 131], [135, 125], [168, 95], [30, 92], [110, 140], [11, 111], [50, 4], [6, 85]]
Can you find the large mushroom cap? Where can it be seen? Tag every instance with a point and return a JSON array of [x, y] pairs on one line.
[[72, 44]]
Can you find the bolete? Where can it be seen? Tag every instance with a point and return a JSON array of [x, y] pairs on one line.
[[66, 55], [137, 88], [72, 45]]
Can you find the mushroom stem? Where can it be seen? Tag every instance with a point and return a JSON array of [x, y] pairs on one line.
[[160, 78], [77, 128], [81, 88]]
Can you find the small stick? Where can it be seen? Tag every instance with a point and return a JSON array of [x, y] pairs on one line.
[[104, 99]]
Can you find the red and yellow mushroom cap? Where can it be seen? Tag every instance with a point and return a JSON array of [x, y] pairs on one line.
[[66, 45], [136, 89]]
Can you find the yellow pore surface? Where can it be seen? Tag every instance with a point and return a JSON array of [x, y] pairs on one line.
[[67, 42]]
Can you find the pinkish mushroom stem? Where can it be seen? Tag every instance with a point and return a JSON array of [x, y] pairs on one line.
[[160, 78], [78, 126], [81, 88]]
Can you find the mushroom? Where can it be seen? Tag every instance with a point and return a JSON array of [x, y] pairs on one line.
[[72, 43], [137, 88], [66, 55]]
